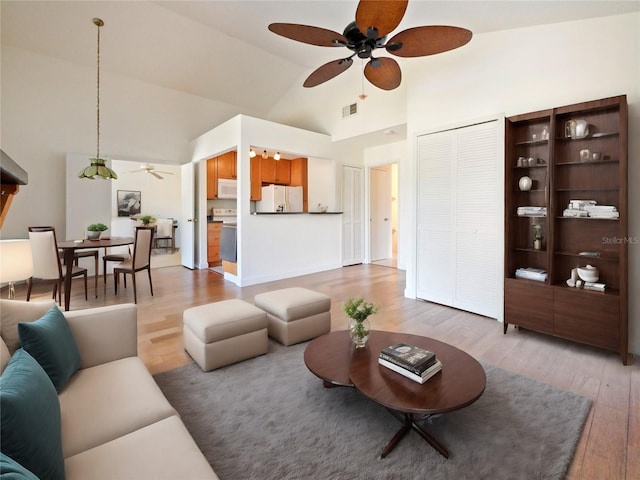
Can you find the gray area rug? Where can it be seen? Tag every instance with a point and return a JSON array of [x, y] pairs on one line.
[[270, 418]]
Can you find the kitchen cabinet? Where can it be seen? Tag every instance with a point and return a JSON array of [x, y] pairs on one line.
[[566, 166], [299, 178], [275, 171], [213, 243], [222, 166], [226, 164], [212, 178], [256, 182]]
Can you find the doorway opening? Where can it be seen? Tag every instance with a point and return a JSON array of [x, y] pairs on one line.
[[383, 220]]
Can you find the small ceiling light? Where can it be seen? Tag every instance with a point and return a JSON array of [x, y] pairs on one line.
[[265, 155], [252, 153], [98, 166], [276, 156]]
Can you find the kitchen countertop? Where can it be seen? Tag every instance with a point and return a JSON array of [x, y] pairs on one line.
[[297, 213]]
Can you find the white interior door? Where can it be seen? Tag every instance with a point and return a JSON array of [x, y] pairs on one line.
[[381, 227], [352, 216], [187, 224]]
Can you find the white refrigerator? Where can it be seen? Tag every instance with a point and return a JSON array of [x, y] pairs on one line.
[[280, 199]]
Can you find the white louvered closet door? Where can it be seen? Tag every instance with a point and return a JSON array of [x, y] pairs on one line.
[[458, 218]]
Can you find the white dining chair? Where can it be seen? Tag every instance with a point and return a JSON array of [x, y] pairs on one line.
[[140, 260], [164, 233], [46, 262]]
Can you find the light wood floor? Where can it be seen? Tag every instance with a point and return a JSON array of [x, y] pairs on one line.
[[610, 444]]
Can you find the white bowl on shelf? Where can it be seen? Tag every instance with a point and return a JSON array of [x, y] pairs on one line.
[[588, 273]]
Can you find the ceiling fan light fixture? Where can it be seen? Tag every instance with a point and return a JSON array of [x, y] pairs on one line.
[[276, 156], [97, 165], [374, 20]]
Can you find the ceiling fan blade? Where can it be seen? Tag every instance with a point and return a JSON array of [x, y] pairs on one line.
[[428, 40], [384, 15], [166, 173], [155, 174], [383, 72], [136, 171], [308, 34], [327, 72]]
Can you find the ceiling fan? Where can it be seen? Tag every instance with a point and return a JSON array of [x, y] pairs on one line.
[[150, 169], [375, 19]]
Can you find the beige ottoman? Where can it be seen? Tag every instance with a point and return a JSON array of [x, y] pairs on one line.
[[296, 314], [224, 332]]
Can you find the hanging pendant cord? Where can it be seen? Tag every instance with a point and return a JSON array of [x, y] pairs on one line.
[[99, 23]]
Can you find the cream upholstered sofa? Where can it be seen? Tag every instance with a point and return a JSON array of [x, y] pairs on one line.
[[115, 423]]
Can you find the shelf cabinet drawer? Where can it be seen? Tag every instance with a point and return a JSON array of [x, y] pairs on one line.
[[588, 317], [528, 304]]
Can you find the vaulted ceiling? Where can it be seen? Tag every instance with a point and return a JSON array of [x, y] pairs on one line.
[[222, 50]]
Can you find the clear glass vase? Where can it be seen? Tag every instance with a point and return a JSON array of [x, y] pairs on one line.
[[359, 332]]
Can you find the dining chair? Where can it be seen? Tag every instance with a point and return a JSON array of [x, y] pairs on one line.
[[46, 262], [164, 233], [78, 254], [114, 257], [140, 260]]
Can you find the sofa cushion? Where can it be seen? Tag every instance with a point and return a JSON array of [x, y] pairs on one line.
[[104, 402], [5, 356], [12, 470], [49, 340], [30, 416], [162, 450], [14, 311]]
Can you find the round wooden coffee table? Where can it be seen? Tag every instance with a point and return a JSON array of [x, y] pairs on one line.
[[333, 358]]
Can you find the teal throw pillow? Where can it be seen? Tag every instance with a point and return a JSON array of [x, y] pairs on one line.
[[30, 418], [49, 340], [12, 470]]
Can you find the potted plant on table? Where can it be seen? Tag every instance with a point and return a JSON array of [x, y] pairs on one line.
[[147, 220], [358, 312], [94, 230]]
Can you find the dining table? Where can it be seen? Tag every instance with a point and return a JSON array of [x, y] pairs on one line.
[[69, 248]]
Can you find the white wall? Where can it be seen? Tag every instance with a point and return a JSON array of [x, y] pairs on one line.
[[160, 198], [274, 247], [48, 109], [524, 70]]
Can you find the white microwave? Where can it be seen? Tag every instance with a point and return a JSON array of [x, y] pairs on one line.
[[227, 188]]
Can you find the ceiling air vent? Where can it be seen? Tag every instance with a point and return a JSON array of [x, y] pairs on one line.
[[349, 110]]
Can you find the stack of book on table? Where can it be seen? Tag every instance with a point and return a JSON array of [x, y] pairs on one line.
[[413, 362]]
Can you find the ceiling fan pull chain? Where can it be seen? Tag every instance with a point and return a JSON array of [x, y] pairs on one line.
[[362, 96]]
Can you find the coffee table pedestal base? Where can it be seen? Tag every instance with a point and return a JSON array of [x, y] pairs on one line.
[[408, 424]]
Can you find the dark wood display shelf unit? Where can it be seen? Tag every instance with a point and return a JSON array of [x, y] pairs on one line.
[[562, 170]]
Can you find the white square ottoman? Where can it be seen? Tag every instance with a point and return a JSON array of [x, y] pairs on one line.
[[296, 314], [225, 332]]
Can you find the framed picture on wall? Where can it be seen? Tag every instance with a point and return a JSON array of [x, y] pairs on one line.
[[129, 202]]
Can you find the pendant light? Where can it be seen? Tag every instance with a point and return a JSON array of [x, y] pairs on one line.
[[98, 166]]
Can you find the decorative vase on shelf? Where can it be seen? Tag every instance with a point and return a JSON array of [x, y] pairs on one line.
[[359, 332], [358, 311]]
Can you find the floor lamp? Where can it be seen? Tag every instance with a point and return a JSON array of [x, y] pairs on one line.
[[16, 263]]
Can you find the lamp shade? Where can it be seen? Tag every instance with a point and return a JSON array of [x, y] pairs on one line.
[[15, 260]]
